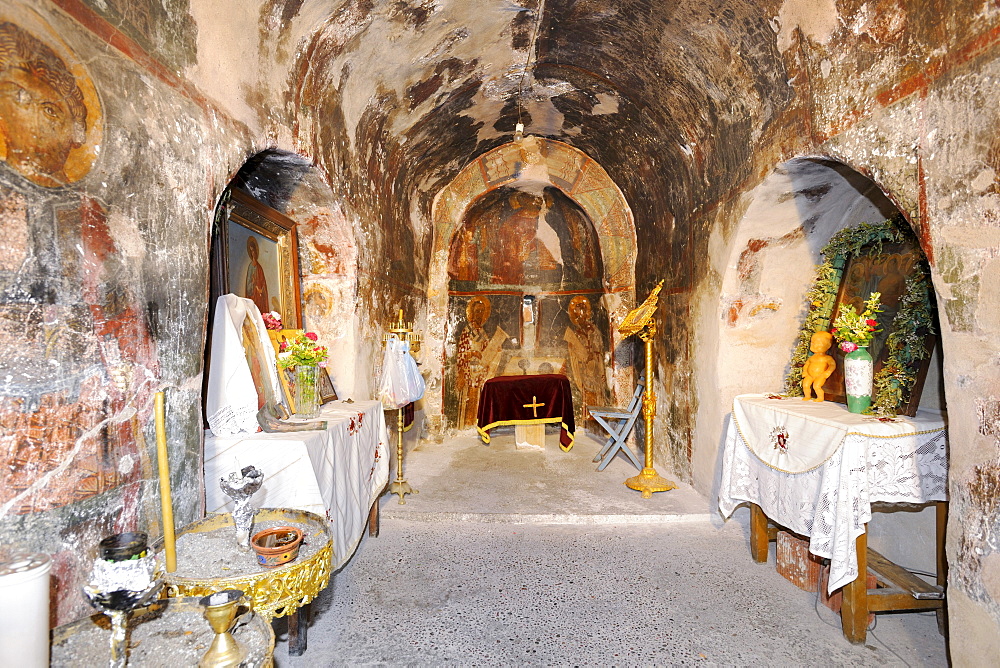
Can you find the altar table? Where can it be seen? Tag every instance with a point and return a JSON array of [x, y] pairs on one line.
[[338, 473], [816, 469], [529, 399]]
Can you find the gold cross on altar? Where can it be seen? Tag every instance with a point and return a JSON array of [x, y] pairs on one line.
[[534, 406]]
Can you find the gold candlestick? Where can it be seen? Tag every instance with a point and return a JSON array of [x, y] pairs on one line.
[[640, 321], [399, 485], [402, 330], [220, 610]]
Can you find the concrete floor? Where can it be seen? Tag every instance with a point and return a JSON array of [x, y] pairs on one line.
[[517, 557]]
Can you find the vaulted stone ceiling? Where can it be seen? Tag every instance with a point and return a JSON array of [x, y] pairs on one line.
[[397, 96], [675, 99]]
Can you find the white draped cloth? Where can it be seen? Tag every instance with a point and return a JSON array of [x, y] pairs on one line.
[[231, 402], [338, 473], [816, 469]]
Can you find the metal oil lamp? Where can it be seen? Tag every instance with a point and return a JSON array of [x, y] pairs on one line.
[[124, 577]]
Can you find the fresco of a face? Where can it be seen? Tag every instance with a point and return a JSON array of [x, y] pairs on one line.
[[478, 311], [42, 114], [580, 311]]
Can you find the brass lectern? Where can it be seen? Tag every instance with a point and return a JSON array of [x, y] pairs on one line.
[[640, 321]]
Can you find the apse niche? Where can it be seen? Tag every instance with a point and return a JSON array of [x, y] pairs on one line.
[[305, 253], [525, 297], [770, 264]]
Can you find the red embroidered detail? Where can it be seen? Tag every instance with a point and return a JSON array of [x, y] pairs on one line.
[[779, 436]]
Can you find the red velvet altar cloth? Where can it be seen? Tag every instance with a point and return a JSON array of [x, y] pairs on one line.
[[507, 400]]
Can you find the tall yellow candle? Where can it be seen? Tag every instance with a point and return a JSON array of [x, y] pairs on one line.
[[166, 505]]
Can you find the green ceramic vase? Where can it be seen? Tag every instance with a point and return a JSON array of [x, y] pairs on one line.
[[858, 373]]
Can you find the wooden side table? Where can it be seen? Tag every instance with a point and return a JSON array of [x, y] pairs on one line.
[[897, 588], [816, 469]]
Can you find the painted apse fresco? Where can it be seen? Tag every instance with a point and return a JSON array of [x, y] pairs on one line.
[[525, 298]]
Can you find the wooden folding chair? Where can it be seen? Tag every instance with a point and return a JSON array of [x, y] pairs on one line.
[[618, 422]]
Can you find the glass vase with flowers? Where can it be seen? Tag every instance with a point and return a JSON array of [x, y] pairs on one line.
[[855, 332], [306, 357]]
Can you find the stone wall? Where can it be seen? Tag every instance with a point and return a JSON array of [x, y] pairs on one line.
[[96, 315], [687, 106], [905, 93]]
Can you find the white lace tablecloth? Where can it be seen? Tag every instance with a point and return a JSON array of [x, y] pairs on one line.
[[903, 461], [337, 473]]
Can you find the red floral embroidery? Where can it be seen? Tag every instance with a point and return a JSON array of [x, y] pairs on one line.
[[779, 436]]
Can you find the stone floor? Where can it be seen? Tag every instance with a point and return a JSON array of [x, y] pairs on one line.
[[519, 557]]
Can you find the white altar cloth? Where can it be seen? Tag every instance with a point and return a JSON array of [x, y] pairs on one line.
[[337, 474], [232, 402], [903, 461]]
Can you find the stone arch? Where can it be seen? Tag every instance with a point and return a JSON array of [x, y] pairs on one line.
[[291, 183], [751, 318], [532, 164], [771, 256]]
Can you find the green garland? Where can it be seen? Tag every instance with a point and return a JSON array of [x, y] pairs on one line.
[[914, 320], [907, 345]]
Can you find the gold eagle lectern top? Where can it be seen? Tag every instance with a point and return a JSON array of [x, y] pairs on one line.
[[640, 321]]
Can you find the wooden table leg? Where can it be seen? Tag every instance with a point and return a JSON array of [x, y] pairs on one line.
[[942, 563], [373, 517], [758, 534], [854, 611], [298, 631]]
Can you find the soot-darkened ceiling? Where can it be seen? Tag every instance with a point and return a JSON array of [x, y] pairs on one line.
[[399, 95]]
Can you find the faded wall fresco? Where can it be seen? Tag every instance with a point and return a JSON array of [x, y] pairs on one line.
[[76, 355], [162, 28], [461, 266], [515, 244], [102, 293]]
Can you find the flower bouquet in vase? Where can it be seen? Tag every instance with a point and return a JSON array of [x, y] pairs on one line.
[[306, 357], [855, 331]]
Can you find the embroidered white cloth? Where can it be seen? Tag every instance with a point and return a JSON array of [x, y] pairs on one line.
[[231, 402], [789, 435], [336, 474], [903, 461]]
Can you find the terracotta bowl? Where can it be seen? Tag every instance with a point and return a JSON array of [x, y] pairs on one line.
[[276, 546]]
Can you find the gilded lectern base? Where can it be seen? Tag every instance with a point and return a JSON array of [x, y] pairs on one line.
[[649, 481], [402, 488]]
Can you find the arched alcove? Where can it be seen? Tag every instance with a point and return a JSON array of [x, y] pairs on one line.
[[766, 267], [525, 295], [325, 280], [771, 260], [531, 166]]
